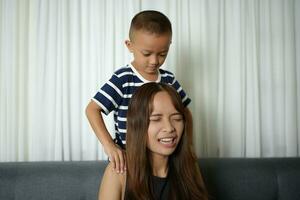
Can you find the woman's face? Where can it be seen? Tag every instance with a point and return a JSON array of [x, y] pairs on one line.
[[165, 127]]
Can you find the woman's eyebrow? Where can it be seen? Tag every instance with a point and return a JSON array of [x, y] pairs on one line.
[[177, 113], [158, 114], [155, 114]]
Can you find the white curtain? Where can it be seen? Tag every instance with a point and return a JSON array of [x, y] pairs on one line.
[[238, 60]]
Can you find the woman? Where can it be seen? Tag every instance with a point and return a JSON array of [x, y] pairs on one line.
[[160, 161]]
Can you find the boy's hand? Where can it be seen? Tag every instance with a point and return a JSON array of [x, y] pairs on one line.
[[116, 156]]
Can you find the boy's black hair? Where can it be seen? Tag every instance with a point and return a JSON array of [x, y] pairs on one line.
[[150, 21]]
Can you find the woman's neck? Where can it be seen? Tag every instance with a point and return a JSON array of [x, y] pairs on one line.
[[160, 166]]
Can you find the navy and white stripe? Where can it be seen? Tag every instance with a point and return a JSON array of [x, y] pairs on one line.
[[115, 94]]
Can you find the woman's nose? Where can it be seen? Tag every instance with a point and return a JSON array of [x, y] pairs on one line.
[[168, 126]]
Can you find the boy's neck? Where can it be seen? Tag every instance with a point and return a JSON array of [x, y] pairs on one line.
[[149, 77]]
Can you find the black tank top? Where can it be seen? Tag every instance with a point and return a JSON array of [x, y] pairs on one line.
[[160, 188]]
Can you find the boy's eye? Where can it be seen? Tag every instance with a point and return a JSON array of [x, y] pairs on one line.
[[146, 54], [163, 55]]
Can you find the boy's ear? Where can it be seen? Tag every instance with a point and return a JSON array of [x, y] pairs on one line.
[[128, 45]]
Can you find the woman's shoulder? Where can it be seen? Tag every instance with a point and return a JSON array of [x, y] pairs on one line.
[[110, 172], [112, 180]]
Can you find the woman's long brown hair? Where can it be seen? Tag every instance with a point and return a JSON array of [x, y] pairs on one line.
[[184, 175]]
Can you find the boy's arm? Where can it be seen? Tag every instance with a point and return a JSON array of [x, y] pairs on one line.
[[112, 185], [115, 153]]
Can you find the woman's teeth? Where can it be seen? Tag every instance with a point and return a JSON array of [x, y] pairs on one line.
[[166, 140]]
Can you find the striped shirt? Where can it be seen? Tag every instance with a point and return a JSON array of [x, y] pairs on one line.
[[115, 94]]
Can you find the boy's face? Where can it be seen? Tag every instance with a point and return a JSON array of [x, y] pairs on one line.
[[149, 51]]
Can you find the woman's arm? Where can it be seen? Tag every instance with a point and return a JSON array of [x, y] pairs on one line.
[[112, 186]]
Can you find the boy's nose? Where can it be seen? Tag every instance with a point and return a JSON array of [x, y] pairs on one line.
[[154, 60]]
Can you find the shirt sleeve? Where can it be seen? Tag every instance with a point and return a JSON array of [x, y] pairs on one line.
[[184, 97], [110, 95]]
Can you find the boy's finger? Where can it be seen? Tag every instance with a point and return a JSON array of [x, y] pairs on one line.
[[124, 156], [117, 161], [121, 161], [112, 160]]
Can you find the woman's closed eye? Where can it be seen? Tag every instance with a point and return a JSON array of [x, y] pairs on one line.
[[177, 117], [155, 119]]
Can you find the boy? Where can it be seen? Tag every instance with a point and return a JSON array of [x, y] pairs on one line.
[[150, 36]]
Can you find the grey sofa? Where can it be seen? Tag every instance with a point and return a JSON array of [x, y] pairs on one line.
[[226, 179]]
